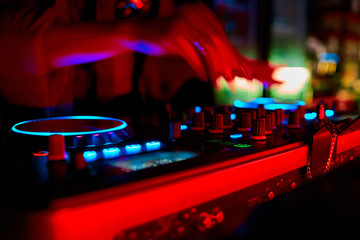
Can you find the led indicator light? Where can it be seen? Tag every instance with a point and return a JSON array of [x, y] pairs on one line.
[[310, 116], [329, 113], [133, 148], [154, 145], [242, 145], [235, 136], [197, 109], [183, 127], [233, 116], [111, 152], [90, 156]]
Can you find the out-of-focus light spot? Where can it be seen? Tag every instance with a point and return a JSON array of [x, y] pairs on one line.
[[153, 145], [133, 148], [111, 152], [235, 136], [328, 57], [292, 78], [310, 116], [241, 104], [233, 116], [285, 106], [90, 156], [263, 100], [197, 109], [183, 127], [301, 103], [329, 113]]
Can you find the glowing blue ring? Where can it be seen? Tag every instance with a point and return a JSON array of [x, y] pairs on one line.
[[120, 127]]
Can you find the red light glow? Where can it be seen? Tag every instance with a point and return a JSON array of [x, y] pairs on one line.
[[104, 217]]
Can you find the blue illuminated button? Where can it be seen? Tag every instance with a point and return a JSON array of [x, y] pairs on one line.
[[133, 148], [235, 136], [154, 145], [90, 156], [329, 113], [183, 127], [310, 116], [111, 152]]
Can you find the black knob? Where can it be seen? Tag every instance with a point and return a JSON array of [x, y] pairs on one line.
[[279, 116], [294, 119], [227, 120], [244, 123], [198, 123], [175, 130], [217, 125], [268, 124], [261, 112], [208, 113], [258, 130]]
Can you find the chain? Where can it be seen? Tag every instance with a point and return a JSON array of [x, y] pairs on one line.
[[332, 147]]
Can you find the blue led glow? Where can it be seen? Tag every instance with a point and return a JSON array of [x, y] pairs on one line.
[[233, 116], [153, 145], [90, 156], [263, 100], [111, 152], [121, 126], [133, 148], [183, 127], [235, 136], [197, 109], [285, 106], [329, 113], [240, 104], [310, 116], [301, 103]]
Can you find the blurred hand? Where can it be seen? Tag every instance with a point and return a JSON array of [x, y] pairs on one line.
[[197, 36]]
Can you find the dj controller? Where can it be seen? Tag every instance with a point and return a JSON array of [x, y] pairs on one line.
[[200, 177]]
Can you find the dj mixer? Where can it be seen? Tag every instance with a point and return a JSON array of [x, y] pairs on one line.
[[90, 177]]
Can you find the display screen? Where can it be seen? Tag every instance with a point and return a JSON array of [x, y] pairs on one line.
[[149, 160]]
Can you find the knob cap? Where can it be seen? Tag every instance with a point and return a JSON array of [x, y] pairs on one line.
[[80, 141], [294, 119], [244, 124], [198, 123], [227, 120], [279, 116], [97, 139], [261, 112], [175, 130], [258, 130], [268, 124], [217, 125], [208, 113], [56, 147]]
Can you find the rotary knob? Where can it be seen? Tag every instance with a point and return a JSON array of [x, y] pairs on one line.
[[244, 124], [208, 113], [268, 124], [175, 130], [294, 119], [217, 125], [198, 123], [279, 116], [258, 130], [56, 148], [227, 120]]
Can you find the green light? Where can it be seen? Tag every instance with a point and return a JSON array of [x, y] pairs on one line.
[[240, 145]]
